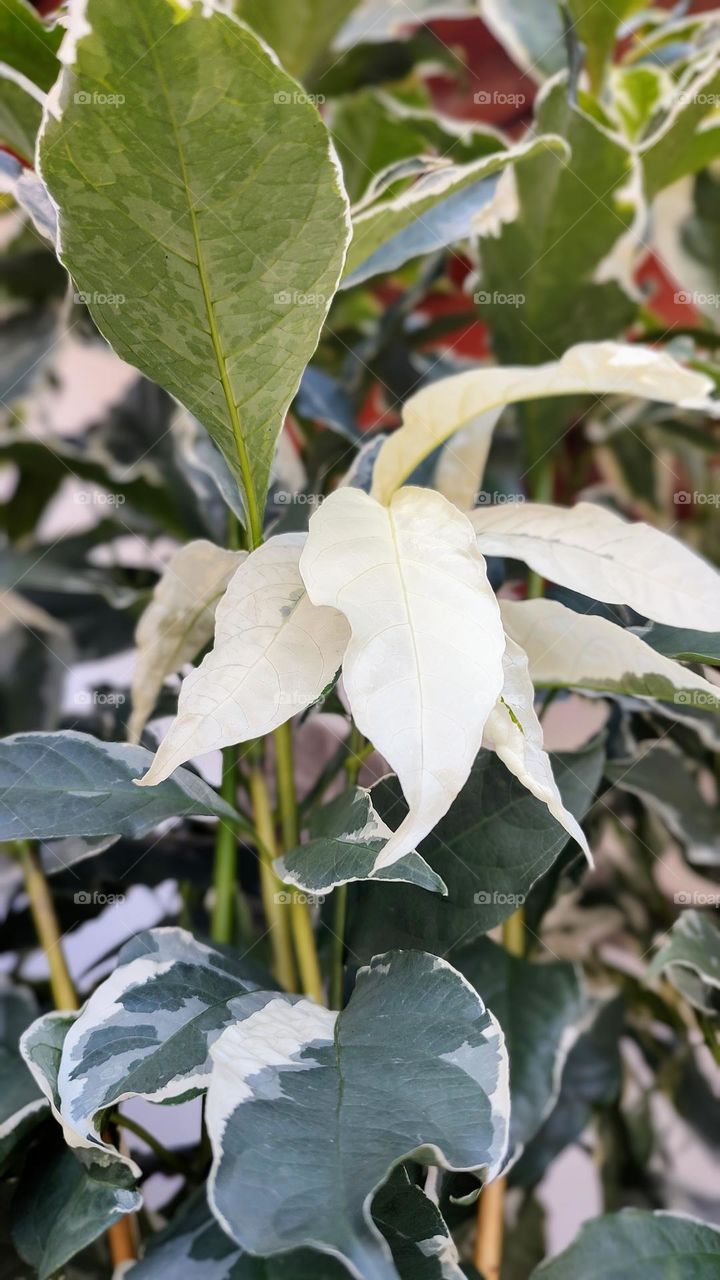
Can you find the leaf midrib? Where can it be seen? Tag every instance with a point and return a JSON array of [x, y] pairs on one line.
[[254, 521]]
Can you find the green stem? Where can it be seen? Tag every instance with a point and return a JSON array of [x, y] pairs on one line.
[[222, 921], [541, 490], [46, 926], [273, 894], [169, 1158], [301, 923]]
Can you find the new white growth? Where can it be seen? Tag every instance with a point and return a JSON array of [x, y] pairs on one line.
[[393, 586]]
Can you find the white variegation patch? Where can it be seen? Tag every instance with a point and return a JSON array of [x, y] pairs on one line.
[[595, 552], [590, 368], [424, 665], [515, 733], [178, 622], [569, 650], [273, 655]]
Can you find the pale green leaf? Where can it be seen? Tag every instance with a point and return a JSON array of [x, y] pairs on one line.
[[691, 960], [300, 31], [201, 213]]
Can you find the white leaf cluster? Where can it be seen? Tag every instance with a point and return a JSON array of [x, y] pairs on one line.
[[392, 586]]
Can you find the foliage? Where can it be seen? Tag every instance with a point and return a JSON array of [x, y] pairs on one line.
[[408, 463]]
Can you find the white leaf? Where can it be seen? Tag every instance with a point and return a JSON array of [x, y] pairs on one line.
[[178, 622], [274, 654], [515, 734], [588, 549], [423, 668], [591, 368], [569, 650], [461, 465]]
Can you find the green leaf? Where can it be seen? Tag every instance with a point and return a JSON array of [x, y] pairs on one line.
[[691, 960], [21, 1103], [184, 159], [70, 784], [28, 44], [664, 780], [596, 27], [414, 1066], [641, 1244], [494, 843], [373, 130], [146, 1031], [687, 138], [572, 213], [437, 211], [682, 643], [538, 1007], [300, 31], [345, 839], [21, 107], [62, 1206], [591, 1078], [195, 1248]]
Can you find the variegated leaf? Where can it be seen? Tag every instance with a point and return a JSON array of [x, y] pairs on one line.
[[593, 551], [21, 1102], [515, 733], [433, 1085], [178, 622], [345, 841], [600, 368], [146, 1031], [423, 669], [569, 650], [70, 784], [690, 958], [273, 655]]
